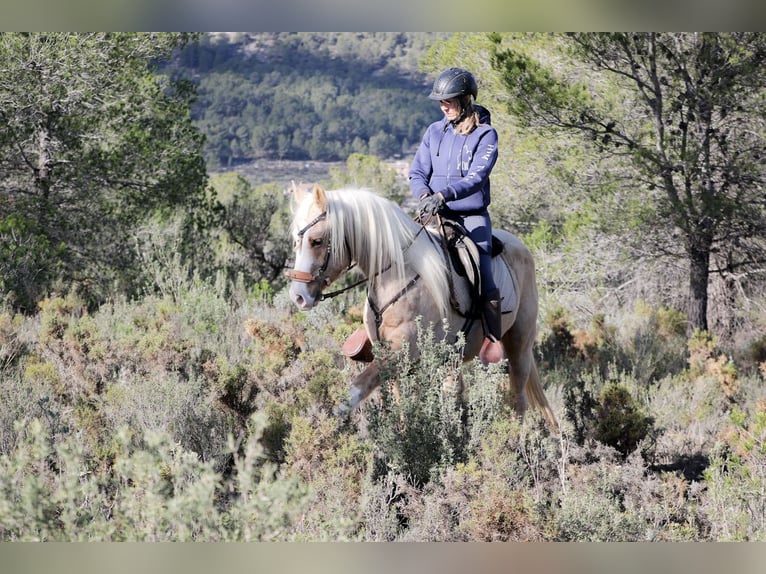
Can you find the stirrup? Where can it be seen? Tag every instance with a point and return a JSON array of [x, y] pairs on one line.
[[491, 351]]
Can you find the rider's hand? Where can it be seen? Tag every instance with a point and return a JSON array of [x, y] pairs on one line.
[[430, 205]]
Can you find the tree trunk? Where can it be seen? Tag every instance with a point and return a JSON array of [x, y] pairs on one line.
[[699, 273]]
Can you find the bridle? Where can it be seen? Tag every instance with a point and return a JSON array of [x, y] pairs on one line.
[[320, 275]]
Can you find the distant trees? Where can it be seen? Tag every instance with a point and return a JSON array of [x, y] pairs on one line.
[[685, 113], [368, 171], [307, 96], [92, 142]]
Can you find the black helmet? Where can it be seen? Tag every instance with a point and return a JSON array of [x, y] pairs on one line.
[[452, 83]]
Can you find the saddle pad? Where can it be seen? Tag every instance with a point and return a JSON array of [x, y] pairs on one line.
[[505, 279], [465, 259]]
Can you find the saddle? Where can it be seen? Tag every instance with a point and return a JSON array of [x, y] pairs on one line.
[[464, 254]]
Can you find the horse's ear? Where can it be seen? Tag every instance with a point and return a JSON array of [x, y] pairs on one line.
[[297, 192], [320, 198]]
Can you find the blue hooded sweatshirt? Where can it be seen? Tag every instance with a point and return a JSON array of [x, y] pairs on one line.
[[457, 166]]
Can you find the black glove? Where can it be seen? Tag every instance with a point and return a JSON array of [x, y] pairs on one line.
[[430, 205]]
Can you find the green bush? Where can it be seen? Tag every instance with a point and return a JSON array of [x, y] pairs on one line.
[[431, 415], [154, 491], [29, 262], [734, 504], [207, 414], [620, 422]]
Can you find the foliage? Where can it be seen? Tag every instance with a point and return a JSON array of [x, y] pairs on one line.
[[680, 112], [200, 405], [416, 424], [367, 171], [154, 491], [28, 261], [92, 141], [208, 414], [337, 94], [255, 227], [620, 422], [737, 478]]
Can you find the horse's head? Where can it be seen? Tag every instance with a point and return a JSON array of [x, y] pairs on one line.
[[315, 267]]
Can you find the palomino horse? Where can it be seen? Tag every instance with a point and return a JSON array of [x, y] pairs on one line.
[[408, 277]]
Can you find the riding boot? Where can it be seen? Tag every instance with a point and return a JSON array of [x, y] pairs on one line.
[[492, 350]]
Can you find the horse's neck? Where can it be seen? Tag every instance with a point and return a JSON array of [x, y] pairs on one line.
[[387, 268]]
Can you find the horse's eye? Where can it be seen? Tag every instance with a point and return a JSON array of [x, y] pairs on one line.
[[315, 242]]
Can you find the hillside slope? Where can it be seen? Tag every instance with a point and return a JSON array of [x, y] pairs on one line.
[[317, 96]]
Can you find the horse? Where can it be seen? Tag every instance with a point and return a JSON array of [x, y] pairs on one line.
[[409, 278]]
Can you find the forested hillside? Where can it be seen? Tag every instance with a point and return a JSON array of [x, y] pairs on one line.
[[158, 384], [281, 95]]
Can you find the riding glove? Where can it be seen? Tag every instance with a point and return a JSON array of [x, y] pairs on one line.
[[430, 205]]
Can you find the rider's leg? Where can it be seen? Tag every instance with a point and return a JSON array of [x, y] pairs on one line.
[[479, 227], [492, 350]]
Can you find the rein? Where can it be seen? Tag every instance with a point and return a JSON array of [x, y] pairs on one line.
[[320, 275]]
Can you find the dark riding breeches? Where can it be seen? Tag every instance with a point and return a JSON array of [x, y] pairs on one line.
[[479, 228]]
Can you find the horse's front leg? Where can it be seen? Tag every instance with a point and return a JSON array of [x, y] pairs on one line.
[[369, 379], [362, 386], [396, 328]]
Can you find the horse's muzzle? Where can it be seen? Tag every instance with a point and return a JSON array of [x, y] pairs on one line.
[[305, 293]]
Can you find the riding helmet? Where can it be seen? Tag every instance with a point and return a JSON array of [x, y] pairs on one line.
[[452, 83]]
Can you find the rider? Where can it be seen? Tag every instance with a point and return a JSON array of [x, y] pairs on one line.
[[450, 175]]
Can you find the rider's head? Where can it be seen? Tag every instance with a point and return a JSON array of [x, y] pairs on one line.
[[456, 83], [453, 83]]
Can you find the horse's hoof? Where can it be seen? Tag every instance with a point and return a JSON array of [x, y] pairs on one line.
[[343, 410]]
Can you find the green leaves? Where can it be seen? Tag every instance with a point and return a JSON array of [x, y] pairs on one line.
[[92, 143], [678, 117], [537, 95], [309, 96]]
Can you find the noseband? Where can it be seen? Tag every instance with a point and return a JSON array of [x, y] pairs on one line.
[[320, 274]]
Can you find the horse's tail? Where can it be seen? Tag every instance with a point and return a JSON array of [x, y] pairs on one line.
[[537, 398]]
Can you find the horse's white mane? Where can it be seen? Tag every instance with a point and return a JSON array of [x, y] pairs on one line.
[[378, 234]]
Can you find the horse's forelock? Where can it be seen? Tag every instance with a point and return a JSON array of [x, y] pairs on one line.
[[302, 208]]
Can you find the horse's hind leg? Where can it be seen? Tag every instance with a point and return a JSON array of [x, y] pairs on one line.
[[525, 385], [520, 362]]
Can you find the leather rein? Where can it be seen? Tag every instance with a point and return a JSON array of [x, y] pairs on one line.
[[320, 275]]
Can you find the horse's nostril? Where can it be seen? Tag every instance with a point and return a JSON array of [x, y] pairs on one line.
[[299, 301]]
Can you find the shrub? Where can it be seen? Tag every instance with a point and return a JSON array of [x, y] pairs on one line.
[[620, 422], [734, 503], [154, 491], [12, 347], [579, 405], [416, 423], [337, 466]]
